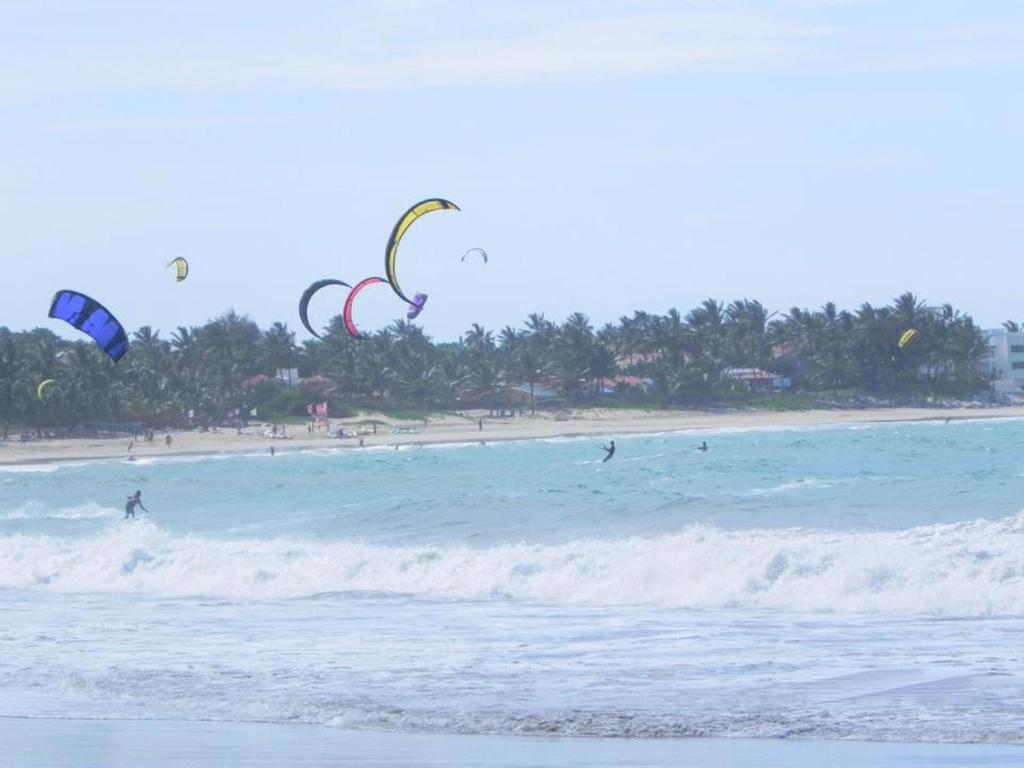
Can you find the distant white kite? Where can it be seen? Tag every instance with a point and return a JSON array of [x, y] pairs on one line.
[[481, 251]]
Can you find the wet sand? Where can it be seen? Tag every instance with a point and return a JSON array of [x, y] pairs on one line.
[[159, 744]]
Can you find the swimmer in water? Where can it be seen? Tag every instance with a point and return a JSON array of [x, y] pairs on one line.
[[609, 450], [135, 500]]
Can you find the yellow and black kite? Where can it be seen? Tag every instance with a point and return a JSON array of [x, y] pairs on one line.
[[401, 226], [182, 267]]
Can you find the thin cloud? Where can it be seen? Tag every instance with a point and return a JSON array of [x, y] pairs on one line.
[[964, 47], [446, 44], [541, 48], [591, 50]]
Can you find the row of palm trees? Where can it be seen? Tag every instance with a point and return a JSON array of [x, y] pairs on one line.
[[207, 372]]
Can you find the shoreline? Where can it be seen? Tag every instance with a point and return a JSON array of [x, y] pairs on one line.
[[461, 430], [66, 742]]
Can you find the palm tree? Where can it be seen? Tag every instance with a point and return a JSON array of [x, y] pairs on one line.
[[575, 340], [9, 364], [747, 323], [531, 366], [373, 372], [277, 346], [481, 356], [708, 345]]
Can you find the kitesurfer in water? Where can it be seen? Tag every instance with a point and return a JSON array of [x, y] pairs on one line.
[[135, 500], [610, 450], [703, 447]]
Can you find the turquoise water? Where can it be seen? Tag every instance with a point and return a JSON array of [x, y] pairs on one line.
[[856, 582], [885, 477]]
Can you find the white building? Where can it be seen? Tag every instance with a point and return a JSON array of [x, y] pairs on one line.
[[288, 376], [1005, 360]]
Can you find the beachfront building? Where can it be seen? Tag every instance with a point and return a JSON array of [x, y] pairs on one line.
[[623, 384], [289, 377], [521, 396], [756, 379], [1005, 360]]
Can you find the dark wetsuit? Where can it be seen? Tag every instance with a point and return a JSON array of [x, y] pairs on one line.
[[611, 452], [129, 507]]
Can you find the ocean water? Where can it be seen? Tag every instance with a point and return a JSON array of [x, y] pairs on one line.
[[837, 582]]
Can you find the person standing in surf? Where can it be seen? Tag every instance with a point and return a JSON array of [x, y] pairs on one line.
[[135, 500]]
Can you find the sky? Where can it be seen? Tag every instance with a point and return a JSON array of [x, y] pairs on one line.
[[609, 155]]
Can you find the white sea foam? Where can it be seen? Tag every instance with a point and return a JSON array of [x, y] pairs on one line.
[[969, 568], [37, 511], [29, 468], [793, 485]]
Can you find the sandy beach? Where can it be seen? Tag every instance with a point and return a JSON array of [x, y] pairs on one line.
[[470, 427]]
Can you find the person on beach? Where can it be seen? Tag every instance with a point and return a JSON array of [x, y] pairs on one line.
[[271, 450], [703, 447], [135, 500], [610, 451], [167, 440]]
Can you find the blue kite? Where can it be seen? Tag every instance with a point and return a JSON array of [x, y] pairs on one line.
[[93, 319]]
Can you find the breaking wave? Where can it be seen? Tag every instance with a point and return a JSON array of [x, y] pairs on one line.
[[41, 512], [967, 568]]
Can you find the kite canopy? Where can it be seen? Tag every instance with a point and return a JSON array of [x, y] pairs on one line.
[[350, 326], [416, 306], [401, 227], [44, 387], [481, 251], [307, 295], [907, 337], [181, 265], [93, 319]]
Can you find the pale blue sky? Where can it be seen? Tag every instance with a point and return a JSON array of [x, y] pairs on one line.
[[609, 156]]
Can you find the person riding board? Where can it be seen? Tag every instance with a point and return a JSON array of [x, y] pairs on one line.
[[135, 500], [610, 449]]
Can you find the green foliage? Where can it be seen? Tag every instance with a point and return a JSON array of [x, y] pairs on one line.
[[287, 403], [645, 360], [405, 414], [797, 401]]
